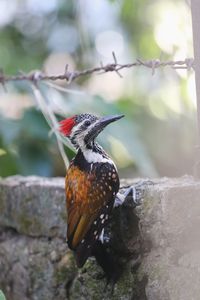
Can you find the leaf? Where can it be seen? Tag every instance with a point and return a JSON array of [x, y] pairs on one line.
[[9, 130], [2, 152], [35, 124], [8, 164], [2, 296]]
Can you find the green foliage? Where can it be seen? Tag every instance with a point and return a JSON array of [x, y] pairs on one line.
[[29, 149], [158, 130], [2, 152], [2, 296]]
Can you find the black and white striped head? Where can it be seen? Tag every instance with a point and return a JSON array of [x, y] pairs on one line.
[[84, 128]]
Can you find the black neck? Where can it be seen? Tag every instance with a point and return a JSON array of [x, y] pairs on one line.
[[95, 147], [82, 162]]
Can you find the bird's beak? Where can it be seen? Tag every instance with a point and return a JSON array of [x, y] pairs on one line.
[[100, 125], [104, 121]]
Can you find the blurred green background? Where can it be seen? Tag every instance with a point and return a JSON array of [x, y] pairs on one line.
[[158, 135]]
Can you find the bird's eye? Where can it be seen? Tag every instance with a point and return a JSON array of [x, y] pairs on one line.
[[87, 123]]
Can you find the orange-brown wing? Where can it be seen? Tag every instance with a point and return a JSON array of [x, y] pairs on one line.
[[86, 195]]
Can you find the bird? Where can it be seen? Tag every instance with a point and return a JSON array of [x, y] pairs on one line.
[[91, 184]]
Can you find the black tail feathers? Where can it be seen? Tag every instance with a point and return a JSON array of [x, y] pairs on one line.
[[111, 267]]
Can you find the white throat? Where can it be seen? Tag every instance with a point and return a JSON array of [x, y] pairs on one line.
[[95, 157]]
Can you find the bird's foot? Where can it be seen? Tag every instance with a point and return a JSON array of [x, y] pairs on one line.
[[132, 195]]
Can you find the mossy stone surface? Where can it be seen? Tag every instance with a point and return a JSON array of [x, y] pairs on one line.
[[157, 244]]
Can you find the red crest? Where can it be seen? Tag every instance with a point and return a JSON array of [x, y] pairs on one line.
[[67, 125]]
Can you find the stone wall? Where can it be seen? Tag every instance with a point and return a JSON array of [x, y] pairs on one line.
[[158, 244]]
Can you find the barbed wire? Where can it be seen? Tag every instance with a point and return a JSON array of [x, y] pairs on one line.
[[69, 76], [42, 102]]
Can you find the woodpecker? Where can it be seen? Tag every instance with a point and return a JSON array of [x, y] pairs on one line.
[[91, 185]]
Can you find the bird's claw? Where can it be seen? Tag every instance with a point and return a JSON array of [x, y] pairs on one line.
[[132, 195]]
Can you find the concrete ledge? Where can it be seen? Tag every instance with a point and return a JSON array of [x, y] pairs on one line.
[[169, 225], [33, 206], [158, 242]]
